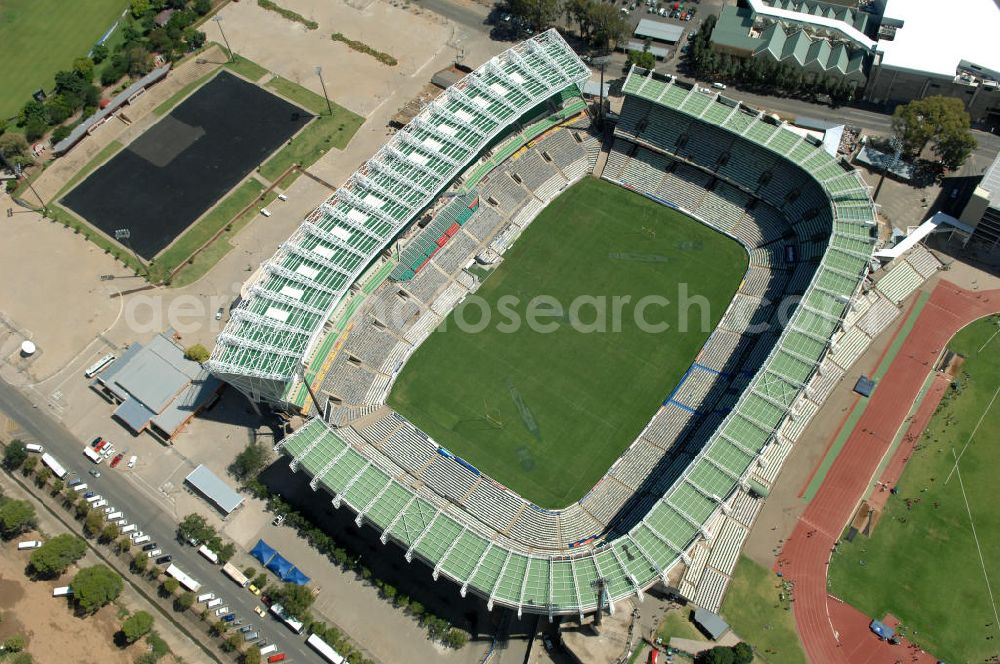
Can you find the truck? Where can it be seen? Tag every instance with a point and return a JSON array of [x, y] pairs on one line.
[[92, 455], [183, 578], [233, 573], [54, 465], [62, 591], [290, 620], [209, 554]]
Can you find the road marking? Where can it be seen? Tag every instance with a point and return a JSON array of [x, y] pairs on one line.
[[982, 562], [969, 441]]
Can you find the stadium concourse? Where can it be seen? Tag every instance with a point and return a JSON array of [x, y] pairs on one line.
[[676, 507]]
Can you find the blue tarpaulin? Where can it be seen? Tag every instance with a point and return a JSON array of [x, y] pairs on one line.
[[883, 631], [263, 552], [277, 563]]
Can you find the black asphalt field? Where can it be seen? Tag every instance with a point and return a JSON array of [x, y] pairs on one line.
[[168, 177]]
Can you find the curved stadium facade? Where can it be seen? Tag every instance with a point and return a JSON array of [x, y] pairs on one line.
[[678, 503]]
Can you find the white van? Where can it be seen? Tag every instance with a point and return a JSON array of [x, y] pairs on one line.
[[141, 539], [129, 528], [32, 447], [136, 535], [114, 516], [213, 603], [267, 650], [222, 610], [99, 503], [93, 499], [29, 544], [132, 460], [121, 522], [62, 591], [719, 86], [206, 597], [80, 487], [153, 553]]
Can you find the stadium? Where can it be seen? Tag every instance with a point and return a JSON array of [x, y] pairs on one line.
[[366, 279]]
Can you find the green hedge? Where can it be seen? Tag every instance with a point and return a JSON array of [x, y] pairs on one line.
[[287, 13], [362, 47]]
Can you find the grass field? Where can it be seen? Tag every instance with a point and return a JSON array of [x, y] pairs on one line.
[[754, 608], [40, 37], [547, 413], [923, 564]]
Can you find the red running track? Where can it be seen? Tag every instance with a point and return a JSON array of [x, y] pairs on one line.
[[831, 631]]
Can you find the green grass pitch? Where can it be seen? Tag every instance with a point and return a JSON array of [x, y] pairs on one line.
[[40, 37], [547, 413], [922, 564]]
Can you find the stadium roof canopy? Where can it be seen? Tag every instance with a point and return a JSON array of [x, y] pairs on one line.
[[287, 302], [936, 37], [667, 32], [517, 574]]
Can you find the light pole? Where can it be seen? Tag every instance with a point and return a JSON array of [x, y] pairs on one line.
[[218, 22], [319, 72], [124, 235]]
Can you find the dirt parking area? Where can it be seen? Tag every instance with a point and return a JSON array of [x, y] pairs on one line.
[[53, 633], [354, 80]]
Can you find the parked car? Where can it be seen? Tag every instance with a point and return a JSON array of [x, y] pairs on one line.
[[259, 611], [163, 560], [95, 472], [29, 544], [132, 460], [149, 547], [117, 460], [218, 314], [97, 441], [254, 589]]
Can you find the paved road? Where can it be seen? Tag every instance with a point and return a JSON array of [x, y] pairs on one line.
[[152, 520]]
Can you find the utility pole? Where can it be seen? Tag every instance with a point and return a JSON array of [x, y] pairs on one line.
[[319, 72], [218, 22], [124, 235], [602, 62]]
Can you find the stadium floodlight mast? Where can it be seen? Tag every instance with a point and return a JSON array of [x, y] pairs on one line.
[[218, 22], [124, 235], [319, 72]]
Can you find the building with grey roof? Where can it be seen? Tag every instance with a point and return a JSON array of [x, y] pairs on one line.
[[213, 489], [156, 388], [982, 212]]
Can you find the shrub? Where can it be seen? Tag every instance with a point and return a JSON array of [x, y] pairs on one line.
[[15, 454], [16, 517], [14, 643], [197, 353], [59, 133], [184, 601], [137, 626], [455, 638], [170, 586], [362, 47], [287, 13]]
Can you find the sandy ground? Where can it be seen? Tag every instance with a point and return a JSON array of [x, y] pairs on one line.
[[354, 80]]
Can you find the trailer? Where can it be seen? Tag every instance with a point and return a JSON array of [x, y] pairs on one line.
[[183, 578], [208, 554], [324, 649], [236, 575], [293, 624]]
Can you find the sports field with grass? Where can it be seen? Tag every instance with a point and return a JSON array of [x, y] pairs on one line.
[[545, 409], [40, 37], [928, 563]]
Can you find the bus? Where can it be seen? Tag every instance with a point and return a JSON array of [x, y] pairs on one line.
[[293, 624], [100, 365], [183, 578], [54, 465], [324, 649], [230, 570]]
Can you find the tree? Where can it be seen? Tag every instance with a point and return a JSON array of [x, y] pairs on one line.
[[251, 655], [455, 638], [743, 653], [29, 465], [13, 145], [99, 53], [140, 562], [16, 517], [296, 599], [607, 26], [139, 8], [42, 476], [231, 643], [84, 68], [35, 128], [14, 643], [137, 626], [643, 59], [20, 658], [202, 7], [225, 552], [261, 580], [197, 353], [940, 121], [184, 601], [56, 555], [540, 14], [171, 585], [157, 646], [195, 527], [716, 655], [109, 533], [94, 523], [248, 463], [94, 587]]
